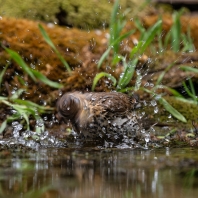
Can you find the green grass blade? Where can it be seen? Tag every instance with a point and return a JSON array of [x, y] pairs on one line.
[[167, 39], [186, 100], [160, 35], [33, 105], [191, 47], [117, 58], [99, 76], [45, 80], [3, 126], [192, 87], [46, 37], [104, 56], [17, 94], [191, 93], [51, 44], [17, 58], [114, 18], [140, 27], [106, 53], [176, 32], [127, 89], [151, 33], [2, 98], [2, 74], [136, 49], [173, 91], [190, 69], [26, 117], [32, 73], [128, 74], [114, 12], [172, 110], [161, 76], [187, 45]]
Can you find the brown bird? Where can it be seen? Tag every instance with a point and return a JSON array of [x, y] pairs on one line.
[[100, 114]]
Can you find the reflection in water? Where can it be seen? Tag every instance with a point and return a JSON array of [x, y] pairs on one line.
[[99, 173]]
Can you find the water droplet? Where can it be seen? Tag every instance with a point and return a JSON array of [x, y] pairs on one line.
[[14, 90], [32, 66], [26, 134], [60, 93], [93, 98], [151, 85], [153, 103], [44, 135], [91, 125], [156, 110], [122, 74], [17, 127], [147, 138], [39, 122], [13, 111], [143, 131], [114, 124]]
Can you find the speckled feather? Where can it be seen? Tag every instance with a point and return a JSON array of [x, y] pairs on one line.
[[100, 114]]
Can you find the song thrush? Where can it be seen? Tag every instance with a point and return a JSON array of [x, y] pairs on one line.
[[100, 114]]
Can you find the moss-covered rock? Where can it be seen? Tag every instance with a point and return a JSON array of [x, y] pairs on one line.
[[186, 108], [85, 14]]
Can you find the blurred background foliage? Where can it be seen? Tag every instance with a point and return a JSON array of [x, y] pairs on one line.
[[72, 13]]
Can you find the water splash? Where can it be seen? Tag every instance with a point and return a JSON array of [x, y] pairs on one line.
[[31, 139], [17, 127]]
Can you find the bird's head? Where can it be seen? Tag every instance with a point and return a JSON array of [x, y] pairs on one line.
[[68, 106]]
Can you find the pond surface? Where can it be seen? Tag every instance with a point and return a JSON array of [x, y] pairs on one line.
[[90, 172]]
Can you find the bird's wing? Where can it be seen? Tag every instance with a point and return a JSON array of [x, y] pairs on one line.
[[111, 102]]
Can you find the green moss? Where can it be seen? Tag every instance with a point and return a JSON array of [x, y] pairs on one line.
[[188, 110], [85, 14]]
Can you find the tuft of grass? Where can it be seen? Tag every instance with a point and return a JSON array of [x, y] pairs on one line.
[[176, 31], [179, 41], [35, 75], [129, 65], [117, 23], [99, 76], [190, 90], [23, 109], [145, 41], [111, 46], [2, 74], [126, 76], [146, 37]]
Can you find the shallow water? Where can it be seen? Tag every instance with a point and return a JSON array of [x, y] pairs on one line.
[[90, 172]]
